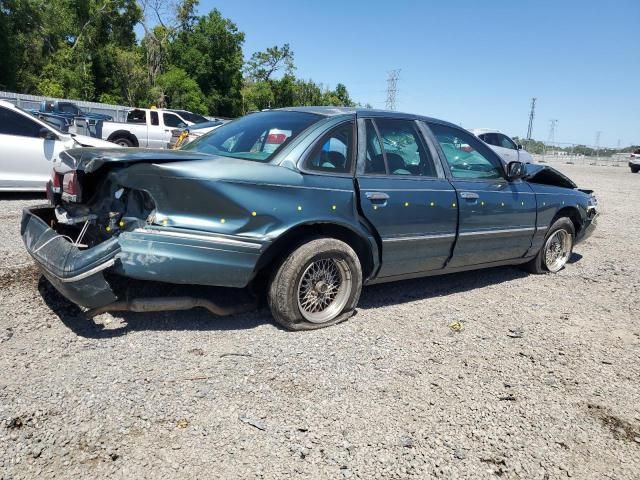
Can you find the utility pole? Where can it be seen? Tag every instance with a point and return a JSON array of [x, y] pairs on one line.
[[552, 130], [392, 89], [598, 144], [532, 114]]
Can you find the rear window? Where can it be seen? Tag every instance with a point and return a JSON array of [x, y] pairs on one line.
[[255, 137]]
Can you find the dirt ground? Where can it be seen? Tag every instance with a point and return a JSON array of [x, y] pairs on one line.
[[539, 378]]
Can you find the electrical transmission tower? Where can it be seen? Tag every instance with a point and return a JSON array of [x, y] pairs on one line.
[[392, 89], [552, 130], [598, 143], [532, 114]]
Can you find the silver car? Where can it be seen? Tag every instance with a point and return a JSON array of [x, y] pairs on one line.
[[30, 146], [503, 145]]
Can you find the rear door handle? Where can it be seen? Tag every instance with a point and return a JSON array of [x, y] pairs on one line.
[[469, 195]]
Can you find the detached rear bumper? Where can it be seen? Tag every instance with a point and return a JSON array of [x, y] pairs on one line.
[[74, 273], [168, 255]]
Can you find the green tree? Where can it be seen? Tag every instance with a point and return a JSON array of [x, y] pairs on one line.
[[175, 89], [263, 65], [211, 54]]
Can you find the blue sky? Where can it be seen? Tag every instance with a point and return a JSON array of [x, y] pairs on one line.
[[473, 63]]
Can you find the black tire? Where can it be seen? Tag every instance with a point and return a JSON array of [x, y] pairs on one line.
[[282, 294], [537, 264], [635, 169], [123, 142]]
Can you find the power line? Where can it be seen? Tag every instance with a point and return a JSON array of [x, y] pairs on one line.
[[392, 89], [532, 114]]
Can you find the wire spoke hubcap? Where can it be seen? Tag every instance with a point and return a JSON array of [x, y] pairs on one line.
[[557, 250], [324, 289]]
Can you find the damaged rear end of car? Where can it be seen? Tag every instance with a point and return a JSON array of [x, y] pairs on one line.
[[112, 214]]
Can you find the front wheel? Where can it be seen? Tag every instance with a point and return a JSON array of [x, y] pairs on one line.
[[316, 286], [635, 169], [556, 249]]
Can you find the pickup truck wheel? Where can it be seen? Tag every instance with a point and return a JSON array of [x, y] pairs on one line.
[[317, 285], [123, 142], [556, 249]]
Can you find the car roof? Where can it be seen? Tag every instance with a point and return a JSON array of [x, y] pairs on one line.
[[365, 112], [480, 131]]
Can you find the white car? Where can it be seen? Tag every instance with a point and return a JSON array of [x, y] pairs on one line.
[[503, 145], [30, 146]]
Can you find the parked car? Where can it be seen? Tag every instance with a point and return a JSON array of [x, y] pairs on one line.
[[634, 161], [145, 127], [29, 147], [69, 110], [348, 197], [503, 145], [182, 136]]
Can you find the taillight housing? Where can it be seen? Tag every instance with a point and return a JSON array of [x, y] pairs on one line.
[[71, 190], [56, 182]]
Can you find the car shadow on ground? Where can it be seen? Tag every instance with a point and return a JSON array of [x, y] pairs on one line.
[[123, 323], [373, 296], [384, 294]]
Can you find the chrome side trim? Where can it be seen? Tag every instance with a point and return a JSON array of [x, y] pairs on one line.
[[497, 232], [200, 237], [103, 266], [419, 237]]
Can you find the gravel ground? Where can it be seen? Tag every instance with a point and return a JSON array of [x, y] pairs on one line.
[[474, 375]]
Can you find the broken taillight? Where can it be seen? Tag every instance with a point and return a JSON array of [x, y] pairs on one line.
[[56, 182], [71, 190]]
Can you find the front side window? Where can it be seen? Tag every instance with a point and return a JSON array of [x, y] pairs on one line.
[[171, 120], [334, 153], [506, 142], [466, 155], [258, 136], [13, 123], [402, 151]]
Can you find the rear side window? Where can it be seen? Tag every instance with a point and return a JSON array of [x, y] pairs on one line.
[[334, 154], [136, 116], [12, 123], [154, 118], [466, 155]]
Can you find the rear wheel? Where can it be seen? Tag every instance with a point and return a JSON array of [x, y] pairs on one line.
[[635, 169], [556, 249], [123, 142], [317, 285]]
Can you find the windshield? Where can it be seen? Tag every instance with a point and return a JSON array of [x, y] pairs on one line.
[[191, 117], [255, 137]]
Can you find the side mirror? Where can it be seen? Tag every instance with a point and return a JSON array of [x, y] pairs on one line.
[[519, 147], [47, 134], [516, 170]]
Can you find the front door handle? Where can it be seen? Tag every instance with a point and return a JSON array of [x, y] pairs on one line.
[[469, 195], [377, 197]]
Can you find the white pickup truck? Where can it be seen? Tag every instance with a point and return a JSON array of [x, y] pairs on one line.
[[150, 128]]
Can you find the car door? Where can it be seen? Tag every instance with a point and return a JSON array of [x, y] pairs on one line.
[[405, 196], [171, 121], [26, 158], [497, 216]]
